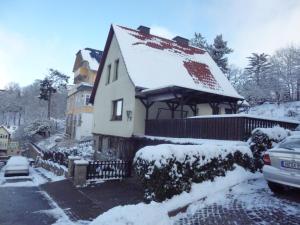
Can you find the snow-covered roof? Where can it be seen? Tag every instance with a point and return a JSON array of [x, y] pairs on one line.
[[92, 56], [153, 62]]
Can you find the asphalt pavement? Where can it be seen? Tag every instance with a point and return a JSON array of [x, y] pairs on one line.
[[24, 206]]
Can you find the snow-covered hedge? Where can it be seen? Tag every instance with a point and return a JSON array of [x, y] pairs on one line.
[[56, 168], [263, 139], [167, 170]]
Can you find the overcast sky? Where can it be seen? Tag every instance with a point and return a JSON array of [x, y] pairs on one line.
[[37, 35]]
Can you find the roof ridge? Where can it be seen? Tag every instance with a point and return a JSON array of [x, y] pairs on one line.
[[156, 36]]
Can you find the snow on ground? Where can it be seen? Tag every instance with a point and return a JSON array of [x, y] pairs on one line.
[[157, 213], [250, 202], [58, 143], [287, 110]]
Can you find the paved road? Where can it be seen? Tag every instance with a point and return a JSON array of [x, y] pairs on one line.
[[248, 203], [23, 205]]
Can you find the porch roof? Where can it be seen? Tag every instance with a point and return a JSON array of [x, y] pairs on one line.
[[189, 96]]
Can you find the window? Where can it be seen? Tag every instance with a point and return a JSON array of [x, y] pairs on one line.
[[87, 99], [228, 111], [116, 70], [108, 74], [117, 109]]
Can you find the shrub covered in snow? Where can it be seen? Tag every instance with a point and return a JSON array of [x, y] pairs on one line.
[[167, 170], [264, 138]]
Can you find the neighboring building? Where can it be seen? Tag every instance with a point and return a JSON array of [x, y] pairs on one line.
[[79, 112], [7, 146], [143, 77]]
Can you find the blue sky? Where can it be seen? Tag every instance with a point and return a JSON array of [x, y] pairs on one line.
[[36, 35]]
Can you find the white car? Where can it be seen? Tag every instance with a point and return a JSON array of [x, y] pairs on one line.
[[282, 164], [16, 165]]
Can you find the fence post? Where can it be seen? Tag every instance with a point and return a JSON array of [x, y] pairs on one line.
[[80, 172], [71, 160]]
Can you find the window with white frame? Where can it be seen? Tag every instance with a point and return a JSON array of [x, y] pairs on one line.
[[117, 109]]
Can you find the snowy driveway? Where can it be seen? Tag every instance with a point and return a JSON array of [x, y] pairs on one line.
[[23, 203], [248, 203]]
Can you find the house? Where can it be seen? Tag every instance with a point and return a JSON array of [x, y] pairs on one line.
[[143, 77], [7, 146], [79, 115]]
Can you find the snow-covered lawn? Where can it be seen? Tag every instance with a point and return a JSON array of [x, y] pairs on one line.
[[288, 110], [157, 213]]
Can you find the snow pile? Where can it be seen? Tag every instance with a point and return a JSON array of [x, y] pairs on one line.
[[167, 170], [157, 213]]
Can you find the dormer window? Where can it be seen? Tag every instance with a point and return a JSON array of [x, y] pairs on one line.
[[116, 74], [108, 74]]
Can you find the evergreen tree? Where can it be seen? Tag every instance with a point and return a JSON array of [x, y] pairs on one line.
[[54, 81], [218, 51], [258, 67], [199, 41]]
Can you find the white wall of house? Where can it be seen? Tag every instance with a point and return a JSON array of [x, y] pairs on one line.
[[122, 88], [85, 126], [204, 109]]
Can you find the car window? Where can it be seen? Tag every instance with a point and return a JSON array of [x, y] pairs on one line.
[[290, 144]]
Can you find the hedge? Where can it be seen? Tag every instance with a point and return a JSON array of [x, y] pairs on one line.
[[167, 170], [263, 139]]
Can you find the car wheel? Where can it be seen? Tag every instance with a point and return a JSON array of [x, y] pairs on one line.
[[276, 188]]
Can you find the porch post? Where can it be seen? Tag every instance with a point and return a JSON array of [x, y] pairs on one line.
[[233, 106], [147, 112], [215, 108], [147, 106], [181, 108]]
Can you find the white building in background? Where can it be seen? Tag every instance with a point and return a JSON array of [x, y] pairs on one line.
[[79, 115]]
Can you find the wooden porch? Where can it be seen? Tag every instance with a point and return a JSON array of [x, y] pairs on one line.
[[223, 127]]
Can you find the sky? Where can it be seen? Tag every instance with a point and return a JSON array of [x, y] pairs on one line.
[[38, 35]]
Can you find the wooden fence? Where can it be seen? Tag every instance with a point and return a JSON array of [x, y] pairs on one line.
[[218, 127], [109, 169]]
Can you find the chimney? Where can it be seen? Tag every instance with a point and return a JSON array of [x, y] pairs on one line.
[[143, 29], [181, 41]]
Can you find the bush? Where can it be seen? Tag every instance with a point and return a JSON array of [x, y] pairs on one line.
[[167, 170], [263, 139]]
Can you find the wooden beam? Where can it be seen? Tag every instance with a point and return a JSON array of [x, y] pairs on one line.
[[194, 109], [215, 107], [233, 106]]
